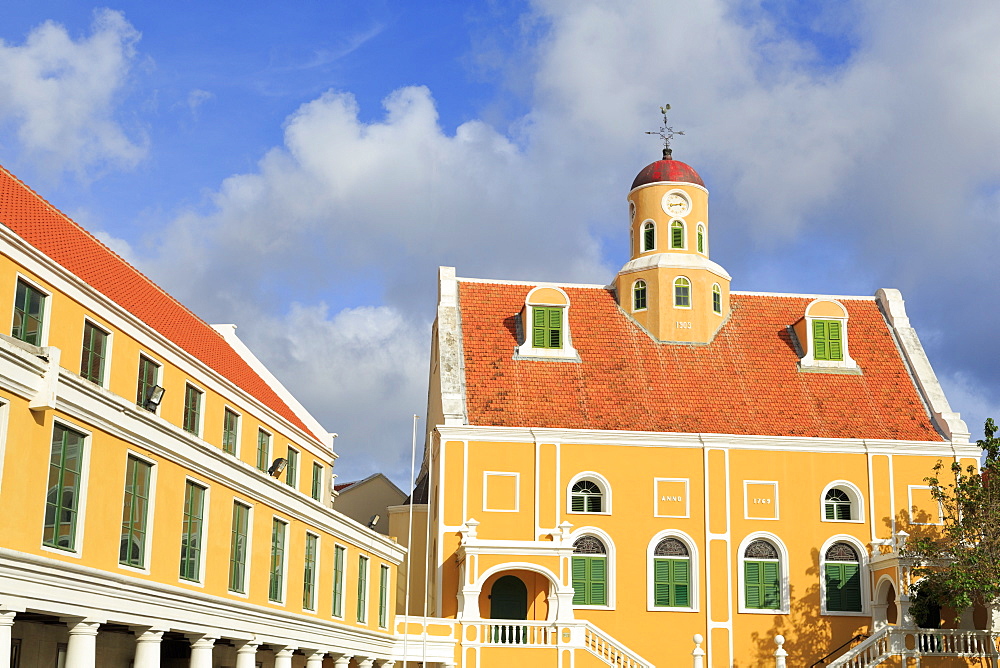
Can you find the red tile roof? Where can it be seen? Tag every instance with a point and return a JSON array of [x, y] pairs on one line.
[[57, 236], [744, 382]]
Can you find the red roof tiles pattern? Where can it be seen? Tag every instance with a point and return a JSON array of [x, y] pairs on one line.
[[53, 233], [744, 382]]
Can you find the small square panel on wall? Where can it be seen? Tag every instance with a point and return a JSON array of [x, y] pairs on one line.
[[671, 497], [760, 500], [500, 491], [922, 506]]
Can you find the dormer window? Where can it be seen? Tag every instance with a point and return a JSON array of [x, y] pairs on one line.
[[677, 234], [639, 296], [545, 325], [648, 236], [822, 335]]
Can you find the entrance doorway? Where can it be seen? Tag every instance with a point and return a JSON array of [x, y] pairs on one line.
[[509, 598]]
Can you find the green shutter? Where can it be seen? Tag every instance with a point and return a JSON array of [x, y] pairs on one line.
[[772, 585], [851, 591], [820, 351], [834, 582], [577, 503], [579, 567], [661, 582], [598, 580], [648, 238], [555, 327], [843, 587], [594, 503], [677, 236], [338, 580], [538, 327], [752, 584], [835, 340], [844, 511], [830, 511], [671, 583], [680, 574]]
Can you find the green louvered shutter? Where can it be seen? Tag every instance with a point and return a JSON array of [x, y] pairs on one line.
[[661, 582], [579, 581], [555, 327], [834, 582], [677, 236], [844, 511], [836, 344], [772, 585], [598, 581], [538, 327], [577, 503], [820, 351], [752, 582], [851, 590], [680, 578], [830, 511], [648, 239]]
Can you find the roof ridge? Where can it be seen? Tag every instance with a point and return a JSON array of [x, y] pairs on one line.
[[107, 248]]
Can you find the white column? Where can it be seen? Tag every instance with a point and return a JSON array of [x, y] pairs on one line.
[[201, 650], [698, 654], [314, 658], [6, 627], [780, 655], [342, 661], [283, 658], [366, 663], [388, 663], [81, 650], [246, 655], [147, 647]]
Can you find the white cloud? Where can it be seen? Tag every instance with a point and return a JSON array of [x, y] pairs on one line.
[[883, 158], [61, 95]]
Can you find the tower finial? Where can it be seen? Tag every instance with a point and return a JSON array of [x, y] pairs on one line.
[[666, 133]]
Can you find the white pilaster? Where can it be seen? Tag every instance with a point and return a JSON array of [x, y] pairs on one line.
[[6, 626], [147, 646], [342, 661], [283, 658], [81, 649], [201, 650], [314, 658], [246, 655]]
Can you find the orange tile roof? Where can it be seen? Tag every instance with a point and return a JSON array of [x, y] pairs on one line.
[[744, 382], [53, 233]]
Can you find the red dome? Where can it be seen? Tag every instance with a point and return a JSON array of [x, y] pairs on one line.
[[667, 170]]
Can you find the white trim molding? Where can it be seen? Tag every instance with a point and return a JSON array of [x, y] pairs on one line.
[[694, 561], [610, 556], [863, 574], [600, 481], [853, 492], [771, 538]]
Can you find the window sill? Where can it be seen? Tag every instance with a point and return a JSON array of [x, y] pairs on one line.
[[66, 552], [584, 512], [843, 521], [592, 607], [844, 613], [763, 611], [654, 608]]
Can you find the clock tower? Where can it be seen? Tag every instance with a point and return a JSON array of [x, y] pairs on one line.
[[670, 287]]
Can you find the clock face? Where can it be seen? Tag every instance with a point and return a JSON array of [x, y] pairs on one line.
[[676, 204]]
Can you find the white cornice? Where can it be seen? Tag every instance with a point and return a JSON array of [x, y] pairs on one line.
[[669, 260], [704, 440], [61, 279]]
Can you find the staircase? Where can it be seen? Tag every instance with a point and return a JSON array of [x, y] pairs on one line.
[[610, 651], [892, 641]]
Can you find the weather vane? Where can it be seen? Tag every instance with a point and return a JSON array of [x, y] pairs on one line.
[[666, 133]]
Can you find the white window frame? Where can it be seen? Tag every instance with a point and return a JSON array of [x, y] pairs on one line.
[[202, 405], [203, 552], [109, 346], [343, 582], [527, 348], [600, 481], [855, 495], [808, 361], [673, 293], [239, 429], [866, 594], [670, 231], [367, 598], [158, 381], [316, 567], [246, 565], [782, 565], [81, 518], [611, 561], [150, 510], [284, 561], [693, 561], [642, 236], [645, 285], [294, 484], [4, 409], [46, 309], [716, 290], [701, 229], [270, 449]]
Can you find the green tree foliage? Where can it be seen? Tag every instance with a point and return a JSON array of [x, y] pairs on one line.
[[961, 563]]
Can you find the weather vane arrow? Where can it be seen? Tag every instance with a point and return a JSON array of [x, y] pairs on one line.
[[666, 133]]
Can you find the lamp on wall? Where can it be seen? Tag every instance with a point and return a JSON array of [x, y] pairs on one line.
[[277, 466], [153, 397], [373, 521]]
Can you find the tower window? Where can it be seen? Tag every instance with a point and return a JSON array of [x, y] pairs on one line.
[[648, 236], [677, 234], [701, 238], [682, 292], [639, 296], [717, 299], [546, 327], [827, 340]]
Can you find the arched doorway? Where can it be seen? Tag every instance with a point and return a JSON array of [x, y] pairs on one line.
[[509, 598]]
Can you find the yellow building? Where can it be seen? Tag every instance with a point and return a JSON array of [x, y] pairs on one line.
[[613, 470], [165, 500]]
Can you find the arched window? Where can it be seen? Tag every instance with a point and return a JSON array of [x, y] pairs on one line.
[[586, 496], [716, 299], [701, 238], [762, 576], [631, 211], [671, 574], [677, 234], [842, 578], [639, 296], [682, 292], [590, 571], [648, 236], [842, 502]]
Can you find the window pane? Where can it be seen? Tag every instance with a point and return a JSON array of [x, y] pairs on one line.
[[276, 585], [192, 409], [132, 551], [309, 573], [191, 530], [29, 308], [292, 468], [263, 449], [148, 371], [339, 555], [383, 596], [317, 481], [95, 341], [62, 498], [230, 431], [238, 548], [362, 588]]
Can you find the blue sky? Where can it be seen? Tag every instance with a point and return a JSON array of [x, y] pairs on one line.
[[302, 169]]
